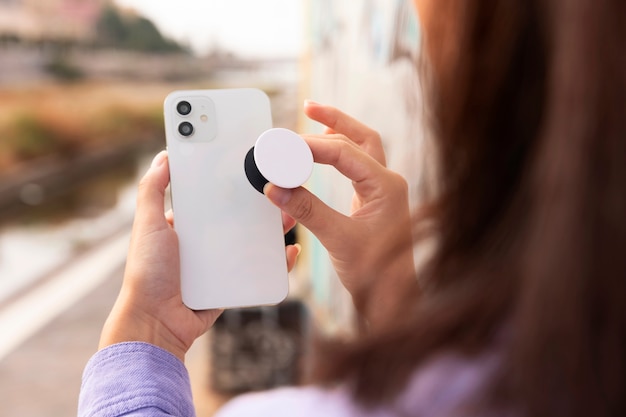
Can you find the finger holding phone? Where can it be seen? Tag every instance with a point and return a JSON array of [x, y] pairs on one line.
[[371, 249]]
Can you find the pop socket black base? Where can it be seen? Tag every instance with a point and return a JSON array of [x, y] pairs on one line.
[[255, 177], [281, 157]]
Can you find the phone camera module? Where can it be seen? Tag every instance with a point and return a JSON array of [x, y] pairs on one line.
[[183, 108], [185, 129]]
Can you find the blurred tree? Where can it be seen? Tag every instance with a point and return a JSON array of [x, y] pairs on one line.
[[132, 32], [111, 29]]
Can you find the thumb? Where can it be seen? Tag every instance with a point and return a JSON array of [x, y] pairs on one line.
[[151, 192], [308, 210]]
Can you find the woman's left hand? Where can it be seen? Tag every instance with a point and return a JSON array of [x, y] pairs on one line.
[[149, 307]]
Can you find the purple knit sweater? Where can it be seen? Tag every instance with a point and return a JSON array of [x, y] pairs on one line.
[[139, 379]]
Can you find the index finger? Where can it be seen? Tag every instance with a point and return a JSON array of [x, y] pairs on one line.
[[350, 160], [337, 121]]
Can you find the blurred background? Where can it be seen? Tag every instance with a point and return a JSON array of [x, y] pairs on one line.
[[82, 84]]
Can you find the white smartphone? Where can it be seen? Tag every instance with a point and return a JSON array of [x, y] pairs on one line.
[[232, 251]]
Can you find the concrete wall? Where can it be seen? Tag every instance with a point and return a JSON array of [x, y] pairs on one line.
[[363, 57]]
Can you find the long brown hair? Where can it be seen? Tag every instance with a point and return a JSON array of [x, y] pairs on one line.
[[530, 217]]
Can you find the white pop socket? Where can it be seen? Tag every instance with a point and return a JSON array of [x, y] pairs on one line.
[[281, 157]]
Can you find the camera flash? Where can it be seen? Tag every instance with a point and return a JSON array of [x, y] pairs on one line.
[[204, 118]]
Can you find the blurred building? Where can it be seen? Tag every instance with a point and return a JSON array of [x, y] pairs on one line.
[[61, 20], [364, 58]]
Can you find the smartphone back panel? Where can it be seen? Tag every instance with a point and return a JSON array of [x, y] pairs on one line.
[[232, 250]]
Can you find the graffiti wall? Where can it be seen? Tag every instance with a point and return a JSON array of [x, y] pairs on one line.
[[363, 57]]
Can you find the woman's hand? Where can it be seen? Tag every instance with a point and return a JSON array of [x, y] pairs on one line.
[[149, 307], [371, 249]]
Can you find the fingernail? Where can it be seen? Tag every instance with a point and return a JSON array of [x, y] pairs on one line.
[[280, 196], [298, 247], [309, 102], [159, 159]]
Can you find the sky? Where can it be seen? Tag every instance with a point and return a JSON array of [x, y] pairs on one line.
[[250, 28]]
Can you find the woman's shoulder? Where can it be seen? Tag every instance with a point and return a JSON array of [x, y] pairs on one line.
[[442, 386], [289, 401], [448, 383]]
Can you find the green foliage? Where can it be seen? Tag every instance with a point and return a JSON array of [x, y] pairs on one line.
[[33, 134], [30, 137], [134, 33], [120, 123], [63, 70], [111, 28]]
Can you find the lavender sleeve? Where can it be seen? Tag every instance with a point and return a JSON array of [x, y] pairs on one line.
[[139, 379], [135, 379]]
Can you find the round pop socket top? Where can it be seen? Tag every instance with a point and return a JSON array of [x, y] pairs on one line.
[[283, 158]]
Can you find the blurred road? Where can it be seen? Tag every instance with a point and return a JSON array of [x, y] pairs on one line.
[[42, 376]]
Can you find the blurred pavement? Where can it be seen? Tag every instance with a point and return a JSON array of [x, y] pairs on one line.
[[42, 376]]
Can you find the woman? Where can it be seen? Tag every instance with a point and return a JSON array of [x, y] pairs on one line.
[[521, 309]]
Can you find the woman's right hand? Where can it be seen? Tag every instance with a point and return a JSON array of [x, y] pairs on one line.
[[371, 249]]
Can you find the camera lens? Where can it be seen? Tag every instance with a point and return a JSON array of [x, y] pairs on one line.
[[185, 129], [183, 108]]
